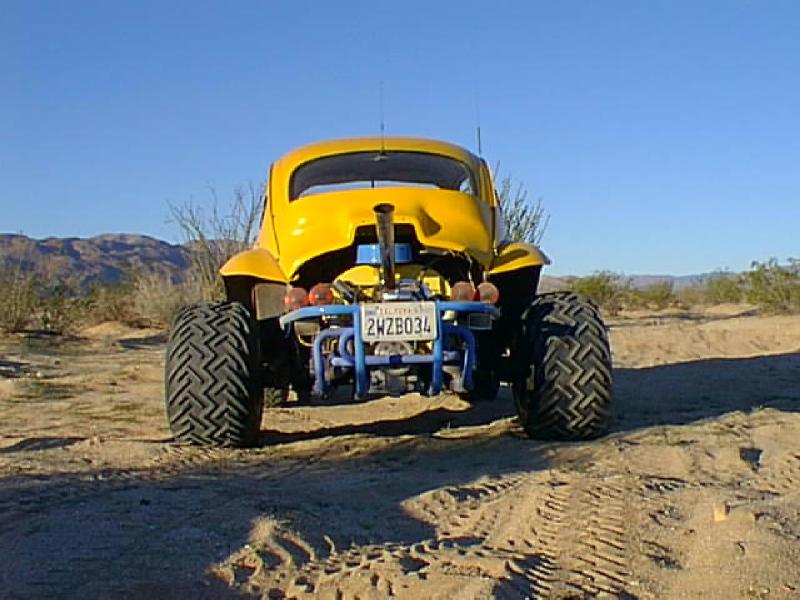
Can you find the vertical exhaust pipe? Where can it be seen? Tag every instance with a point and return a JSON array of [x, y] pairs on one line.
[[384, 224]]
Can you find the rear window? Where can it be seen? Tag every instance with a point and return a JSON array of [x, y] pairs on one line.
[[365, 170]]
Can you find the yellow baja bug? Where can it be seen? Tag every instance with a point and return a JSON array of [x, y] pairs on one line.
[[382, 264]]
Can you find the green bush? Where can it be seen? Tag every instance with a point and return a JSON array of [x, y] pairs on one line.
[[656, 296], [773, 287], [608, 290], [723, 288]]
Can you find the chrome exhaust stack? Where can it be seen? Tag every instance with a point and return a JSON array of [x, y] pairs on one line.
[[384, 225]]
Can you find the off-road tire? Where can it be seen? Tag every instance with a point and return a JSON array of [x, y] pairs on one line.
[[213, 395], [564, 390]]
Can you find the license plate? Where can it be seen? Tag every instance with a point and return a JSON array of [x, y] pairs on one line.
[[398, 321]]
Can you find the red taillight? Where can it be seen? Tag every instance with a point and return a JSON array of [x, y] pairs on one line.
[[462, 291], [488, 293], [322, 293], [295, 298]]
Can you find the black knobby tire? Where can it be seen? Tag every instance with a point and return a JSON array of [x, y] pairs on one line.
[[213, 394], [566, 391]]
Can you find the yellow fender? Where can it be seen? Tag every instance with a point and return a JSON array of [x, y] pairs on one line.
[[256, 262], [517, 255]]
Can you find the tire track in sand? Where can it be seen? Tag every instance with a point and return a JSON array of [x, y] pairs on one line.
[[560, 533]]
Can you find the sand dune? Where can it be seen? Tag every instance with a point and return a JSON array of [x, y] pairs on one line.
[[696, 493]]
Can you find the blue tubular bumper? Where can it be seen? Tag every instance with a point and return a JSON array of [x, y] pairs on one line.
[[361, 362]]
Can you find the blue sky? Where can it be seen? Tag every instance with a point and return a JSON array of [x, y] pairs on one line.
[[662, 137]]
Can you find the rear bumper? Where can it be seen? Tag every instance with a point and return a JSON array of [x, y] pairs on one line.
[[462, 355]]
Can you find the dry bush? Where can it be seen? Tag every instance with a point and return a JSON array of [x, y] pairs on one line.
[[213, 237], [608, 290], [526, 220], [39, 300], [62, 307], [58, 304], [656, 296], [142, 299], [723, 288], [111, 302], [693, 295], [773, 287], [155, 299], [612, 292], [18, 299]]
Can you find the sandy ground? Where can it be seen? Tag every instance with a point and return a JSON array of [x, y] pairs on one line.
[[695, 494]]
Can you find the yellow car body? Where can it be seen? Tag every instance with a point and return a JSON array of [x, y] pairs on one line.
[[295, 231], [382, 265]]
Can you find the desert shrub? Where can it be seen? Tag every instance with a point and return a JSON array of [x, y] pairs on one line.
[[62, 307], [212, 237], [693, 295], [155, 300], [526, 220], [18, 300], [657, 296], [723, 288], [111, 302], [37, 300], [605, 288], [58, 304], [773, 287]]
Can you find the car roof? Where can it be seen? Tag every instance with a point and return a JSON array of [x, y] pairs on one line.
[[303, 154]]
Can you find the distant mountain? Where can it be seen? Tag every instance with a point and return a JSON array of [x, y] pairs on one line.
[[107, 259], [102, 259]]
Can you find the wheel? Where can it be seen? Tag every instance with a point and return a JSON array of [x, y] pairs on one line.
[[213, 395], [564, 389]]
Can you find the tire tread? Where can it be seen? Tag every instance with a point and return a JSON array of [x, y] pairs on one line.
[[212, 393], [567, 348]]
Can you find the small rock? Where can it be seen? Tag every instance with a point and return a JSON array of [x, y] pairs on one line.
[[721, 511]]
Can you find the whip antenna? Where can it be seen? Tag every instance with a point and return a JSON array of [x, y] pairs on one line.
[[383, 123], [478, 122]]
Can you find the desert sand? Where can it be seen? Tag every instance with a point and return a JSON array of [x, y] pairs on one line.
[[694, 494]]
